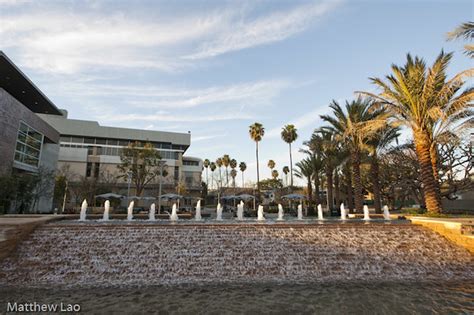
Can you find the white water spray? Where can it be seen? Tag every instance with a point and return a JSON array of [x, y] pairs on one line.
[[82, 216], [130, 211], [280, 212], [343, 212], [219, 212], [197, 216], [300, 212], [240, 211], [174, 213], [386, 213], [260, 216], [106, 211], [151, 214], [366, 213], [320, 213]]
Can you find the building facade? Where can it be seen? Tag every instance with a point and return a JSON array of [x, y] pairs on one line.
[[89, 151], [28, 144]]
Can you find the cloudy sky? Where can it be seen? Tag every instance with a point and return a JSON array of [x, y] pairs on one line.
[[215, 67]]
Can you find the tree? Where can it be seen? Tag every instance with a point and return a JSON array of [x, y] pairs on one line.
[[424, 100], [355, 126], [256, 132], [466, 31], [305, 171], [242, 167], [233, 174], [275, 174], [142, 162], [206, 165], [285, 171], [271, 184], [219, 165], [271, 165], [376, 144], [289, 135], [212, 166], [226, 163]]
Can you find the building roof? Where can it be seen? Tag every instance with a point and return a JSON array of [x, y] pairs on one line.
[[87, 128], [18, 85]]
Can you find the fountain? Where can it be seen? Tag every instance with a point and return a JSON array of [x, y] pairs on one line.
[[151, 214], [343, 212], [300, 212], [366, 213], [82, 216], [197, 216], [280, 212], [174, 213], [320, 212], [260, 216], [240, 211], [219, 212], [130, 210], [386, 213], [106, 211]]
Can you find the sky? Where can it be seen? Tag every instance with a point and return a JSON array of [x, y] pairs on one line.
[[215, 67]]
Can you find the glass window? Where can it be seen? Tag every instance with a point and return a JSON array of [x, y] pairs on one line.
[[112, 141], [28, 145], [65, 139], [77, 139], [89, 140], [100, 141]]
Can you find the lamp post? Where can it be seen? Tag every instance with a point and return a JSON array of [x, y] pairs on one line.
[[162, 165]]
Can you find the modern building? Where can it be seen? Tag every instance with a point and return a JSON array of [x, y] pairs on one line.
[[89, 151], [28, 144]]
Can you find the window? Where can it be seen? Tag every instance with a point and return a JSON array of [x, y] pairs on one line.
[[28, 145], [190, 163]]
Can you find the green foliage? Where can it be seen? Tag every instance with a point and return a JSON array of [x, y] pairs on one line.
[[270, 184]]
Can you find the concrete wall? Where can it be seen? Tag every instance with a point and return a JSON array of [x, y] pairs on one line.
[[11, 112]]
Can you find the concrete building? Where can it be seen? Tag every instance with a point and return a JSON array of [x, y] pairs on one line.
[[91, 151], [28, 144]]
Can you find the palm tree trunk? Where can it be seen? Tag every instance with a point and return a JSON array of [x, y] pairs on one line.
[[258, 170], [242, 179], [207, 177], [434, 161], [348, 175], [226, 176], [430, 185], [316, 188], [376, 183], [336, 188], [310, 191], [329, 189], [358, 197], [291, 166]]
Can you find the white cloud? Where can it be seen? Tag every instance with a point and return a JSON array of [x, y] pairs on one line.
[[263, 30], [167, 117]]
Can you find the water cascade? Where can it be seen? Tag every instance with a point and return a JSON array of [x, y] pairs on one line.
[[82, 216], [366, 213], [260, 216], [106, 211], [174, 213], [130, 211], [219, 212], [280, 212], [300, 212], [151, 214], [197, 216], [386, 213], [343, 212], [320, 213], [240, 211]]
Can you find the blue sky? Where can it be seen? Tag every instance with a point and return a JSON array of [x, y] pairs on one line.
[[215, 67]]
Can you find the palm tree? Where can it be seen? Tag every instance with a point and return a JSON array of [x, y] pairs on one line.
[[226, 163], [233, 174], [275, 174], [233, 166], [206, 166], [355, 126], [424, 100], [256, 132], [271, 164], [289, 135], [305, 171], [212, 166], [219, 165], [242, 167], [466, 31], [286, 170], [380, 141]]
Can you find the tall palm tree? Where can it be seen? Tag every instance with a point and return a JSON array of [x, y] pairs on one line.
[[305, 171], [424, 100], [256, 132], [213, 167], [466, 31], [226, 163], [379, 142], [206, 166], [233, 174], [243, 168], [219, 165], [275, 174], [233, 166], [355, 126], [271, 164], [285, 171], [289, 135]]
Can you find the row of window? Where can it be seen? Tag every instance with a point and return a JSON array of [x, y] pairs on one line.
[[190, 163], [28, 145], [93, 150], [118, 142]]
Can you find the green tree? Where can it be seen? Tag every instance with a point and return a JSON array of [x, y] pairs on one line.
[[285, 171], [142, 162], [233, 174], [289, 135], [243, 168], [226, 163], [271, 164], [304, 170], [206, 165], [275, 174], [219, 165], [355, 126], [424, 100], [466, 31], [213, 167], [256, 132]]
